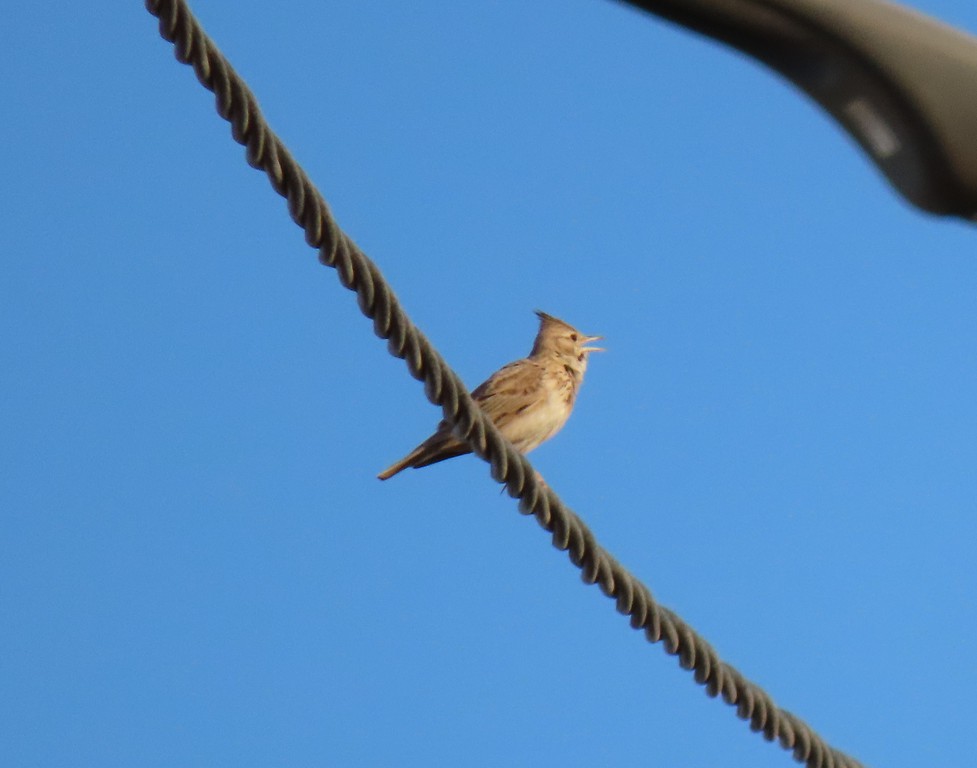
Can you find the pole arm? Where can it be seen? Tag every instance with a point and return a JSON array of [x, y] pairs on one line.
[[903, 84]]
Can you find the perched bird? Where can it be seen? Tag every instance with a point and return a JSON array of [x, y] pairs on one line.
[[528, 400]]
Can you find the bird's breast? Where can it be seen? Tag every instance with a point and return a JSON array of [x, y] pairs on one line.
[[545, 416]]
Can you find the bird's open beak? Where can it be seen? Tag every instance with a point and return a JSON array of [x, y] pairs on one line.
[[587, 340]]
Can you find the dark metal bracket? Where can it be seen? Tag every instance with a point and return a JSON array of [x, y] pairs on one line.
[[903, 84]]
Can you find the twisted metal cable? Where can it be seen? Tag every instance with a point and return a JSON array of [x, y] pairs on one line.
[[265, 151]]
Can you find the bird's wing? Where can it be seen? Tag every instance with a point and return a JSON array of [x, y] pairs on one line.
[[503, 396], [510, 391]]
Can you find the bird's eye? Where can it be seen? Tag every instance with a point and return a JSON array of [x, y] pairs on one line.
[[573, 337]]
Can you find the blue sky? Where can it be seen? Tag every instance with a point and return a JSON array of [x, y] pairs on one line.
[[197, 564]]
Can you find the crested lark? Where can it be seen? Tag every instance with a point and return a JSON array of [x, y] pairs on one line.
[[528, 400]]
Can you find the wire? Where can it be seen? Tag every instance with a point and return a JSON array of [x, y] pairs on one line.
[[265, 151]]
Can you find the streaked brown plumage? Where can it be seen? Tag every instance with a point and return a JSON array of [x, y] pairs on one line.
[[528, 400]]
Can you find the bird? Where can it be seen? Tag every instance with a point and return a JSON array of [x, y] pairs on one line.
[[528, 400]]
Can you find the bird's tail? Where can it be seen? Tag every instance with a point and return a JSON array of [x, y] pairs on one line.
[[399, 466], [436, 448]]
